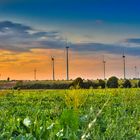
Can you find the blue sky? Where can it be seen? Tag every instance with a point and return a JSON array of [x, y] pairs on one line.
[[121, 11], [99, 21], [81, 17], [91, 26]]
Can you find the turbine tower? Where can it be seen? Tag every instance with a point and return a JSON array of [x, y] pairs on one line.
[[53, 73], [67, 62], [136, 75], [35, 74], [135, 72], [124, 69], [104, 64]]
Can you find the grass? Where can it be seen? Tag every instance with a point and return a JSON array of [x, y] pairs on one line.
[[110, 114]]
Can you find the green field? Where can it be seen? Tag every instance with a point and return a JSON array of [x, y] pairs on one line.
[[109, 114]]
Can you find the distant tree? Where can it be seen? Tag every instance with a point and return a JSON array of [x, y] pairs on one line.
[[139, 83], [101, 83], [88, 84], [77, 83], [112, 82], [127, 84], [8, 79], [18, 84]]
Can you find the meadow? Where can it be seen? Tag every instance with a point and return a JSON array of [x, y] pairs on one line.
[[93, 114]]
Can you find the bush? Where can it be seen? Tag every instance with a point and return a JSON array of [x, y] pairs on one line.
[[8, 79], [78, 83], [127, 84], [37, 85], [101, 83], [88, 84], [139, 83], [18, 85], [112, 82]]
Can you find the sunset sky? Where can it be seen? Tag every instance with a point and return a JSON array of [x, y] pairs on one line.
[[31, 31]]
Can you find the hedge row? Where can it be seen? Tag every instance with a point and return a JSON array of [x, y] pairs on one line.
[[78, 83]]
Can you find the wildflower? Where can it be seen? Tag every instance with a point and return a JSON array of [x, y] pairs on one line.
[[51, 126], [18, 119], [35, 122], [91, 123], [60, 133], [83, 136], [41, 128], [27, 122], [88, 135], [91, 109], [84, 118]]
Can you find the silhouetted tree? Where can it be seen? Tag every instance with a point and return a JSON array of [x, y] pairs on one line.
[[77, 83], [101, 83], [112, 82], [87, 84], [8, 79], [18, 84], [127, 84], [139, 83]]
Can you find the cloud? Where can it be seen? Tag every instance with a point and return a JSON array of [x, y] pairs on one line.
[[99, 21], [15, 26], [20, 38], [133, 40], [108, 48], [10, 29]]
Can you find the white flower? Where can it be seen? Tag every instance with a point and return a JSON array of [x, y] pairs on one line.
[[84, 118], [91, 109], [18, 119], [41, 128], [51, 126], [60, 133], [27, 122], [88, 135], [83, 136], [92, 123], [35, 122], [89, 125]]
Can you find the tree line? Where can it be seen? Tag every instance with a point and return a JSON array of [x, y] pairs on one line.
[[79, 83]]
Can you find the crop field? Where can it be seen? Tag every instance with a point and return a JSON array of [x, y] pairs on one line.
[[101, 114]]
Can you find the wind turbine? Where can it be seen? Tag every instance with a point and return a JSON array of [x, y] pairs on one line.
[[53, 72], [35, 74], [104, 64], [67, 62], [136, 72], [124, 65]]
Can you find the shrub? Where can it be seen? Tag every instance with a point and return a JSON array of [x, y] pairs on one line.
[[112, 82], [78, 83], [37, 85], [127, 84], [8, 79], [101, 83], [139, 83], [18, 84], [88, 84]]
